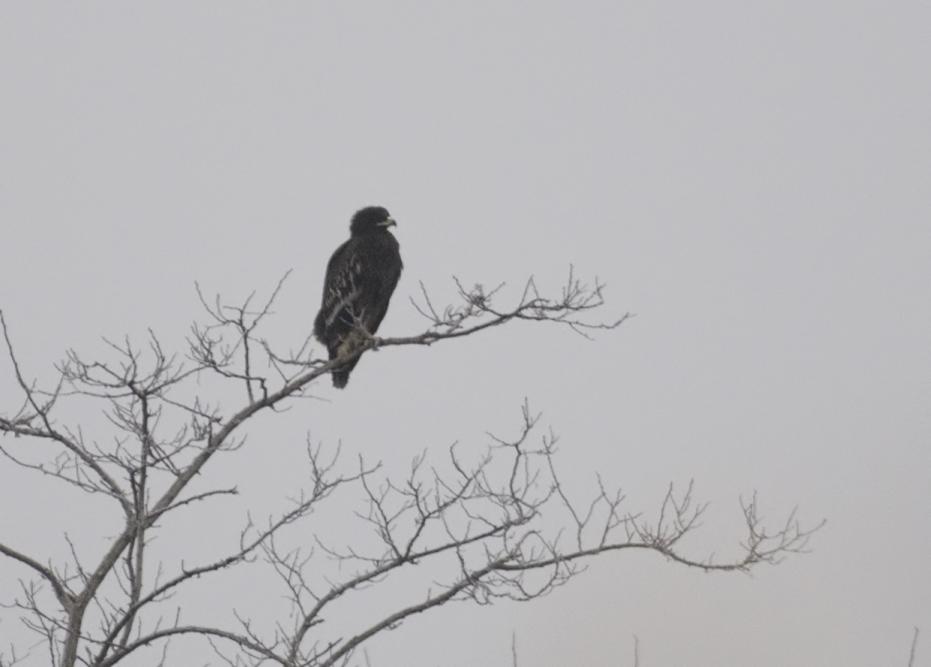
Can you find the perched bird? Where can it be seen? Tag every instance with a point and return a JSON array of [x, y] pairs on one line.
[[360, 279]]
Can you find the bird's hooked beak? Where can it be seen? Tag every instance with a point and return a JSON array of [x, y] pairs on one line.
[[390, 222]]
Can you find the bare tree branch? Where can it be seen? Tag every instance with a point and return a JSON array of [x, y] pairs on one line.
[[496, 522], [911, 653], [65, 597]]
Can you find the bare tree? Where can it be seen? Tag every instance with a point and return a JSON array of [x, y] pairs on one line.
[[475, 517]]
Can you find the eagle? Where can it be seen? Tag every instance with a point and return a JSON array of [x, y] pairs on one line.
[[360, 278]]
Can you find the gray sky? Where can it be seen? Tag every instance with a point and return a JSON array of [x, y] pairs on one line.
[[751, 179]]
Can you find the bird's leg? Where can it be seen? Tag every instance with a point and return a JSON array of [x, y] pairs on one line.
[[348, 344], [361, 334], [366, 336]]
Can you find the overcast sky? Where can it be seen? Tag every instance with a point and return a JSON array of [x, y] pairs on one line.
[[750, 178]]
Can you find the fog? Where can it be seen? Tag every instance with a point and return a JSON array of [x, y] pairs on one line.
[[750, 180]]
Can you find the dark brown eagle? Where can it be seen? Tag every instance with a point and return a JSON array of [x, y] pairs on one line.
[[360, 278]]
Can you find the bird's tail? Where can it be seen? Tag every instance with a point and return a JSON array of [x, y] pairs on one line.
[[340, 378]]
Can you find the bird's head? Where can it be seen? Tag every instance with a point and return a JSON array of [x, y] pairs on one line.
[[370, 220]]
